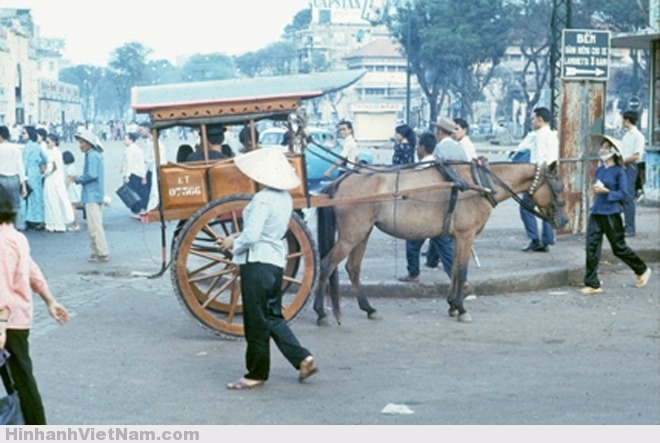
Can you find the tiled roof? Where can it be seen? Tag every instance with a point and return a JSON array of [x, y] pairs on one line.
[[381, 47]]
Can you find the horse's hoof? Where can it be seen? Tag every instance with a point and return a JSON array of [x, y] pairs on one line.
[[374, 315], [452, 312], [323, 321], [465, 318]]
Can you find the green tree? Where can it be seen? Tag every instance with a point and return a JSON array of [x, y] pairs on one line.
[[127, 68], [301, 21], [160, 72], [205, 67], [452, 47], [619, 16], [534, 40], [275, 59], [88, 78]]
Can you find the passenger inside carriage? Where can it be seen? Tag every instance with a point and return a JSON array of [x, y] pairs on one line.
[[215, 136]]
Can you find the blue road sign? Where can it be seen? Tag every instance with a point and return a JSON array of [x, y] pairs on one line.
[[634, 103]]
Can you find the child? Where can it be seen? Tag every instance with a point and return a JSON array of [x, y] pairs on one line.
[[72, 188]]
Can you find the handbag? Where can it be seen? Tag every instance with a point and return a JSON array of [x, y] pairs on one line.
[[10, 406], [129, 197]]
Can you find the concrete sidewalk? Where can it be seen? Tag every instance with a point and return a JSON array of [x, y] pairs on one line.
[[503, 268]]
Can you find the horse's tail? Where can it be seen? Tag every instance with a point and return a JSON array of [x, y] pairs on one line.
[[326, 231]]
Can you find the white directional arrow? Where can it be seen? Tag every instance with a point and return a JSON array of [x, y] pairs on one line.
[[596, 72]]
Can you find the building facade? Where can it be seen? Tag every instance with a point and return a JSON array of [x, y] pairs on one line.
[[342, 35], [30, 93], [380, 97]]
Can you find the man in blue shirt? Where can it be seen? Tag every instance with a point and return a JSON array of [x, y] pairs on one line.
[[92, 194]]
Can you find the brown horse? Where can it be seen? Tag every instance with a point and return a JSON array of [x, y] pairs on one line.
[[418, 204]]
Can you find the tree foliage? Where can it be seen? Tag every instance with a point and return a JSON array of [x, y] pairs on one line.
[[127, 68], [159, 72], [534, 41], [452, 48], [204, 67], [300, 21], [275, 59], [618, 16], [88, 79]]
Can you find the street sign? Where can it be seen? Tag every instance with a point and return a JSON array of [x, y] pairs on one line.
[[634, 103], [585, 54]]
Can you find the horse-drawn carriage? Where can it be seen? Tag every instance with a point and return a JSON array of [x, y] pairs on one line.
[[210, 195]]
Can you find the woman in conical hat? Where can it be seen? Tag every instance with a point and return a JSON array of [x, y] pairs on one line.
[[259, 250], [610, 190]]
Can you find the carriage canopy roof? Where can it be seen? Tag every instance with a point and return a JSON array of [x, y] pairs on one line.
[[235, 101]]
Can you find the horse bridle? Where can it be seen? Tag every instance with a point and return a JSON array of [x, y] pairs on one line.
[[554, 185]]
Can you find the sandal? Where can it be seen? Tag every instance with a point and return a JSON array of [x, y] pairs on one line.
[[307, 368], [244, 383], [75, 228]]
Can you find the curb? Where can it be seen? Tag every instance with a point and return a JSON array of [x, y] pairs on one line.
[[509, 284]]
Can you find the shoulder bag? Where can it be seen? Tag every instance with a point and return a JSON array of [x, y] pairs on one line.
[[10, 406]]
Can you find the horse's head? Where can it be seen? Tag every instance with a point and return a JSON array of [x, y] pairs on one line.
[[545, 191]]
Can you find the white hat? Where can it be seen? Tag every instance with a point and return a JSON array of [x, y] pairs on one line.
[[90, 138], [268, 166], [615, 143], [446, 124]]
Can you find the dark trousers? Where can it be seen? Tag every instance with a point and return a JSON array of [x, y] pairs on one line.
[[261, 287], [20, 365], [439, 248], [629, 203], [531, 226], [612, 227], [135, 183], [146, 190]]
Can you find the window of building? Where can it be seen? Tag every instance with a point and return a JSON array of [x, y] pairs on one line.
[[324, 16], [374, 91]]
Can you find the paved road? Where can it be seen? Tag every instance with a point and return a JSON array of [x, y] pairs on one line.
[[131, 355]]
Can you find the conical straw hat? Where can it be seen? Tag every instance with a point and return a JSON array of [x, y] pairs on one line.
[[269, 167], [616, 144]]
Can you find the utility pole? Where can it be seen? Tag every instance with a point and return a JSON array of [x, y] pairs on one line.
[[408, 67], [561, 19]]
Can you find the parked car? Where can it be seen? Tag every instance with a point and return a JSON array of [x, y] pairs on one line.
[[317, 160]]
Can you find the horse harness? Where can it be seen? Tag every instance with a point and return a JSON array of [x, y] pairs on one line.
[[478, 169], [555, 188]]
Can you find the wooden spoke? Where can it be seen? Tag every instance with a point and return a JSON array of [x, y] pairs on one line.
[[207, 282], [220, 290]]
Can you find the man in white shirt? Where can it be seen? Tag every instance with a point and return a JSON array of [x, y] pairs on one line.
[[133, 171], [447, 148], [632, 147], [151, 190], [349, 153], [12, 174], [461, 129], [544, 148]]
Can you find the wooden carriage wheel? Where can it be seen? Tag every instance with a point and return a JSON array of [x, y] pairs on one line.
[[207, 282]]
